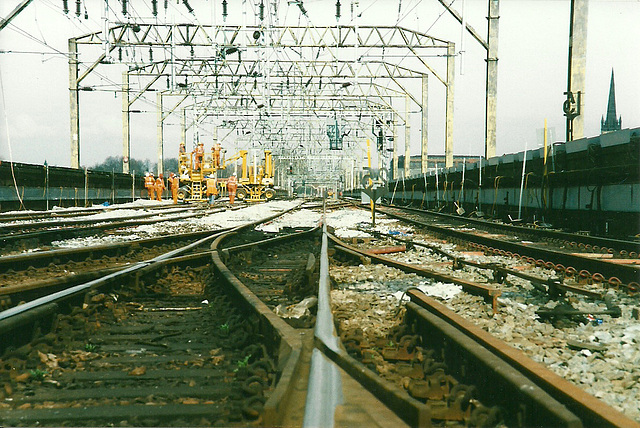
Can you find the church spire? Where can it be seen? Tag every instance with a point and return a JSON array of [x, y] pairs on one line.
[[612, 122]]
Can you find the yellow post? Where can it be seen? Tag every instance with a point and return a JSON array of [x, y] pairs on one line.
[[268, 164], [245, 175], [545, 146], [369, 165], [544, 166]]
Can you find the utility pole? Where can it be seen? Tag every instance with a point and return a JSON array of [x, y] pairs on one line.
[[448, 141], [396, 149], [491, 46], [573, 106], [407, 138], [492, 80], [74, 101], [160, 135], [423, 152], [126, 132]]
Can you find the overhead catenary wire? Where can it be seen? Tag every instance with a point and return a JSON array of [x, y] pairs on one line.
[[133, 14]]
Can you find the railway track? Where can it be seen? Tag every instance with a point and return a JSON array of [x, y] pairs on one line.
[[161, 346], [569, 255], [618, 247], [191, 337], [31, 234], [29, 275], [498, 309]]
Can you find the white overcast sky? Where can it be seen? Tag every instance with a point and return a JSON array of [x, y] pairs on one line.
[[532, 73]]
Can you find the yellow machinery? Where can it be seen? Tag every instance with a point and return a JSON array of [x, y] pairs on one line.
[[255, 182]]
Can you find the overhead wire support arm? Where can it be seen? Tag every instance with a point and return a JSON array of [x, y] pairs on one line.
[[469, 28], [15, 12], [491, 46]]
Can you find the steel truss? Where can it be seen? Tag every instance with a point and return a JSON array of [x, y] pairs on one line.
[[265, 73]]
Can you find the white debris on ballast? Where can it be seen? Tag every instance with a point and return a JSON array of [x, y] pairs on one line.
[[233, 218], [441, 290], [300, 218], [350, 222], [214, 221]]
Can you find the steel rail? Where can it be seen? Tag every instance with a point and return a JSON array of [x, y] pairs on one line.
[[24, 292], [36, 215], [278, 333], [618, 244], [27, 313], [43, 258], [63, 223], [131, 411], [412, 411], [67, 232], [592, 411], [489, 293], [625, 273], [324, 381], [554, 285], [77, 212], [496, 379], [324, 377]]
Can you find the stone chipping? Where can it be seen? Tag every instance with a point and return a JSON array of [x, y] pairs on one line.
[[607, 366]]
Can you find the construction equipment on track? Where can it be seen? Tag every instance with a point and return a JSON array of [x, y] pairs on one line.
[[254, 184]]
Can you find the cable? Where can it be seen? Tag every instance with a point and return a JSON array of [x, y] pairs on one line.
[[6, 122], [496, 184], [438, 18]]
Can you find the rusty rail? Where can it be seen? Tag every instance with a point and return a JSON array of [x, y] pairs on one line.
[[592, 412], [489, 293], [626, 273]]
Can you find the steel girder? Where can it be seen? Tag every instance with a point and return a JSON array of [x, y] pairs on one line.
[[362, 56]]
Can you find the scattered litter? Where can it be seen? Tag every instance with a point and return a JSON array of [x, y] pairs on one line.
[[298, 315]]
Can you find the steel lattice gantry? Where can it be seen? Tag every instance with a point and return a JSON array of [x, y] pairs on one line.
[[253, 71]]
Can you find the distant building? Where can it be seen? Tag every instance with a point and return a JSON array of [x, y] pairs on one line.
[[612, 122]]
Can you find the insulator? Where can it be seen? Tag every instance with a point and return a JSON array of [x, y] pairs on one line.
[[186, 4], [261, 10], [302, 9], [338, 10], [150, 54], [154, 7], [65, 6], [124, 7], [120, 54], [225, 12], [192, 51], [86, 15], [166, 5], [78, 8]]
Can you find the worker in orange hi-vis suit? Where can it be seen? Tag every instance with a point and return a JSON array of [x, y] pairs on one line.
[[174, 184], [232, 186], [149, 184], [212, 190], [199, 155], [160, 187], [216, 154]]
